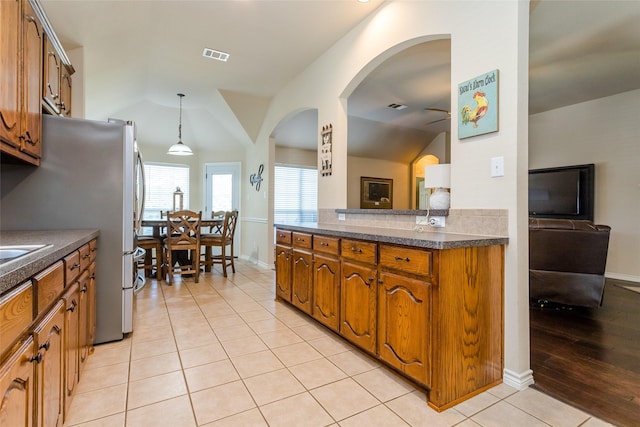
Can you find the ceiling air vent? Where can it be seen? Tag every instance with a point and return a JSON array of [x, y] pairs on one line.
[[215, 54], [397, 106]]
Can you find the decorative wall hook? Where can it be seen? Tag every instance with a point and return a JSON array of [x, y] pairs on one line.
[[256, 178]]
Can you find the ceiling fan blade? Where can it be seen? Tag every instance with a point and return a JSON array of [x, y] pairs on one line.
[[438, 109], [436, 121]]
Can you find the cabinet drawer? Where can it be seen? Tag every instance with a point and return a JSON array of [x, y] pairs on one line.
[[71, 267], [49, 285], [359, 251], [416, 261], [283, 237], [93, 249], [329, 245], [85, 257], [302, 240], [16, 314]]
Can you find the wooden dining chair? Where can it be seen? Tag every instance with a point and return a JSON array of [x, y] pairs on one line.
[[222, 240], [183, 234], [217, 229], [153, 256]]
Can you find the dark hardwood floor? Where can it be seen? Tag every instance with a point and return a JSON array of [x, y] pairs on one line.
[[590, 358]]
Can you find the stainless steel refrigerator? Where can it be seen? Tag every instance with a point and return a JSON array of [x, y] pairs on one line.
[[86, 180]]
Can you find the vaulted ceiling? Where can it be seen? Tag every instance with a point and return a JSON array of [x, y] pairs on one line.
[[139, 54]]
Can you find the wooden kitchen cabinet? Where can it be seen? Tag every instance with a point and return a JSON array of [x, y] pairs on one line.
[[91, 309], [21, 68], [403, 339], [51, 77], [284, 258], [326, 290], [302, 277], [71, 300], [434, 315], [49, 341], [404, 304], [46, 326], [284, 266], [302, 280], [326, 281], [17, 385], [30, 51], [65, 92], [358, 304], [83, 318]]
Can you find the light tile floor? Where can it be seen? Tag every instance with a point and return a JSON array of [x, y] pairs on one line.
[[222, 352]]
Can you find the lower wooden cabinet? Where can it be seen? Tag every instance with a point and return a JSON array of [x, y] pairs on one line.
[[433, 315], [49, 339], [83, 320], [17, 385], [358, 305], [284, 257], [71, 299], [326, 290], [301, 284], [403, 316], [44, 342]]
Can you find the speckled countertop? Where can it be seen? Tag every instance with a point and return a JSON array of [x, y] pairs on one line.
[[60, 244], [428, 239]]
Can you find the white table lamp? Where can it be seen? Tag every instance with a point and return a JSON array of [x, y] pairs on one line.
[[438, 177]]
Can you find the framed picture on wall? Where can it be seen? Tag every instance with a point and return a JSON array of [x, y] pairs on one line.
[[478, 105], [376, 193]]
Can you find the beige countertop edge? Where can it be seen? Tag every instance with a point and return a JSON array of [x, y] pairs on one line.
[[62, 242]]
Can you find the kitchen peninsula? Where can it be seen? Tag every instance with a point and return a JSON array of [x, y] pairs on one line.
[[428, 304]]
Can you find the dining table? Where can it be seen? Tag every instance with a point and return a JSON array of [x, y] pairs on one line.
[[157, 224]]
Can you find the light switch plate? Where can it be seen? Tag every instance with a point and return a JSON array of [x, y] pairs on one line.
[[497, 166]]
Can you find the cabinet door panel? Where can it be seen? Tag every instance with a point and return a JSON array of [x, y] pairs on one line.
[[326, 290], [17, 386], [404, 324], [358, 305], [301, 283], [50, 368], [283, 272], [71, 298], [10, 16], [32, 72]]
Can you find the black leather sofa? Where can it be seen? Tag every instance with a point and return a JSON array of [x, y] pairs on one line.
[[567, 260]]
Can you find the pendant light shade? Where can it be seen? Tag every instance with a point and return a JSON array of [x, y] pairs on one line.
[[180, 149]]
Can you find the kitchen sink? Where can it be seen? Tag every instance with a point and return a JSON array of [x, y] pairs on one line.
[[11, 253]]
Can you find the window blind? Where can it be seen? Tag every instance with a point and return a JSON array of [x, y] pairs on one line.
[[161, 181], [295, 194]]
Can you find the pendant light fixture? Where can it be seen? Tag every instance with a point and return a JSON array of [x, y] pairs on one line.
[[179, 149]]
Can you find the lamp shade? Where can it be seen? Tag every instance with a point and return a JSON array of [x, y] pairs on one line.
[[437, 176], [179, 149]]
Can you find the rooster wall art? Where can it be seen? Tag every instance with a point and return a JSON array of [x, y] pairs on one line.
[[478, 105], [481, 108]]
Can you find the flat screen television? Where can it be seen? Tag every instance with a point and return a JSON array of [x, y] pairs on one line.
[[564, 192]]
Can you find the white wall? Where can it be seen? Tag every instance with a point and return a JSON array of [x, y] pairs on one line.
[[605, 132], [503, 45], [154, 153], [376, 168]]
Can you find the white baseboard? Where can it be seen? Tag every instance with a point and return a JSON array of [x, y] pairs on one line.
[[256, 261], [627, 277], [517, 380]]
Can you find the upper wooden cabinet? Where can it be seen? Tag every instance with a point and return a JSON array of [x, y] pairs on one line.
[[51, 80], [21, 68], [29, 48], [56, 82]]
